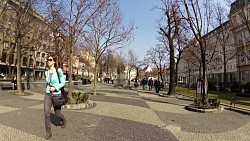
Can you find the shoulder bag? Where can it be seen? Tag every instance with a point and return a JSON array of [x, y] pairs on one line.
[[59, 99]]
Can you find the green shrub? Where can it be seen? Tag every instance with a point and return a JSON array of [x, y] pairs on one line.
[[80, 97], [215, 103], [211, 103], [197, 102]]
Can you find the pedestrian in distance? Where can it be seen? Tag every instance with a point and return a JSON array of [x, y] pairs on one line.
[[143, 83], [150, 84], [157, 86], [53, 87], [14, 82]]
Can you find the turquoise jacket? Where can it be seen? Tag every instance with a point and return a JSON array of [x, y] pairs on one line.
[[54, 81]]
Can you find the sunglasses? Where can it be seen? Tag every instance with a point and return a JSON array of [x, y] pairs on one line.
[[50, 60]]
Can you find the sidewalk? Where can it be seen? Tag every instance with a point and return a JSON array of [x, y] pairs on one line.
[[119, 114]]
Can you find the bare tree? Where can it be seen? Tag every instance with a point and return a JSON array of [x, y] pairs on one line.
[[107, 31], [180, 44], [86, 59], [172, 20], [199, 22], [157, 56], [131, 61], [191, 61], [24, 26], [68, 20], [224, 39]]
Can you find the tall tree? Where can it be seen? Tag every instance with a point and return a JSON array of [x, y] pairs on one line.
[[70, 18], [169, 29], [199, 20], [25, 24], [224, 38], [107, 31]]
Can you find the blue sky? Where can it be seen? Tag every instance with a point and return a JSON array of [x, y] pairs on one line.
[[140, 11], [145, 19]]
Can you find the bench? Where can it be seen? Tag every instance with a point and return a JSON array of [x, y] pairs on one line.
[[234, 100], [6, 84]]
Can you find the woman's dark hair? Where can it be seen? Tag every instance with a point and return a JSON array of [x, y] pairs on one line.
[[54, 59]]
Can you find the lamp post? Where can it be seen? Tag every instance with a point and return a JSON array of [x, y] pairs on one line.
[[83, 80], [28, 75]]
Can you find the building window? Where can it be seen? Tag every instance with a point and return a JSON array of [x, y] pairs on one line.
[[4, 55], [25, 61], [242, 17], [243, 76], [11, 58], [5, 45], [234, 20], [242, 59]]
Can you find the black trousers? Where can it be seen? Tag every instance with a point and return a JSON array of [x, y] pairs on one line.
[[157, 89]]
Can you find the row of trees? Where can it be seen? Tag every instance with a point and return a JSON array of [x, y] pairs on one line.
[[185, 25], [67, 27]]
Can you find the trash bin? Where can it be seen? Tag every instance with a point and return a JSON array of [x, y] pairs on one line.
[[84, 81]]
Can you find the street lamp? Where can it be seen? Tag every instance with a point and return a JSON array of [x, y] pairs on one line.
[[83, 80], [28, 75]]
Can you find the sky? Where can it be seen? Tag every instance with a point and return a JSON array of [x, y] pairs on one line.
[[145, 19]]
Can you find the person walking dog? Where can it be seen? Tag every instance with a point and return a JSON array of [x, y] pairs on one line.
[[53, 88]]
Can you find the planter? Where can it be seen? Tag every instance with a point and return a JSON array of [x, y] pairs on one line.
[[215, 110], [88, 104]]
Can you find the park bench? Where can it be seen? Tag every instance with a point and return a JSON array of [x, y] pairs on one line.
[[5, 84], [235, 100]]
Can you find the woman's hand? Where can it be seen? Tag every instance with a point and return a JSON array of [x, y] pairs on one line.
[[52, 89]]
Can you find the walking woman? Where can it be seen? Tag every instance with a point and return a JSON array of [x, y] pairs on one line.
[[53, 88]]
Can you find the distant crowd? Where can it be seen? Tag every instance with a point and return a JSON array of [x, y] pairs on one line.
[[150, 83]]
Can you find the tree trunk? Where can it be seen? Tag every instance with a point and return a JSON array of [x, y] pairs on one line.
[[72, 40], [225, 78], [176, 72], [189, 79], [95, 78], [204, 94], [225, 70], [137, 75], [171, 89], [19, 72], [129, 78]]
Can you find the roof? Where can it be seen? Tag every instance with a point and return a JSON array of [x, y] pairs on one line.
[[237, 5]]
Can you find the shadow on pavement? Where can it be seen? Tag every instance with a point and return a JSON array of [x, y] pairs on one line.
[[55, 120], [241, 111], [156, 100]]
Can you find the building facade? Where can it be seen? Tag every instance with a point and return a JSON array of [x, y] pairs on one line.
[[228, 48]]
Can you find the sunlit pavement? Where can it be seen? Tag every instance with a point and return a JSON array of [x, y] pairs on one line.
[[119, 115]]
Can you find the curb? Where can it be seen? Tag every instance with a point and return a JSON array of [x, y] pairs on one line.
[[224, 104], [217, 110], [88, 104]]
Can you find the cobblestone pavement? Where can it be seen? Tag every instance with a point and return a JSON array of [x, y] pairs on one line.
[[119, 115]]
